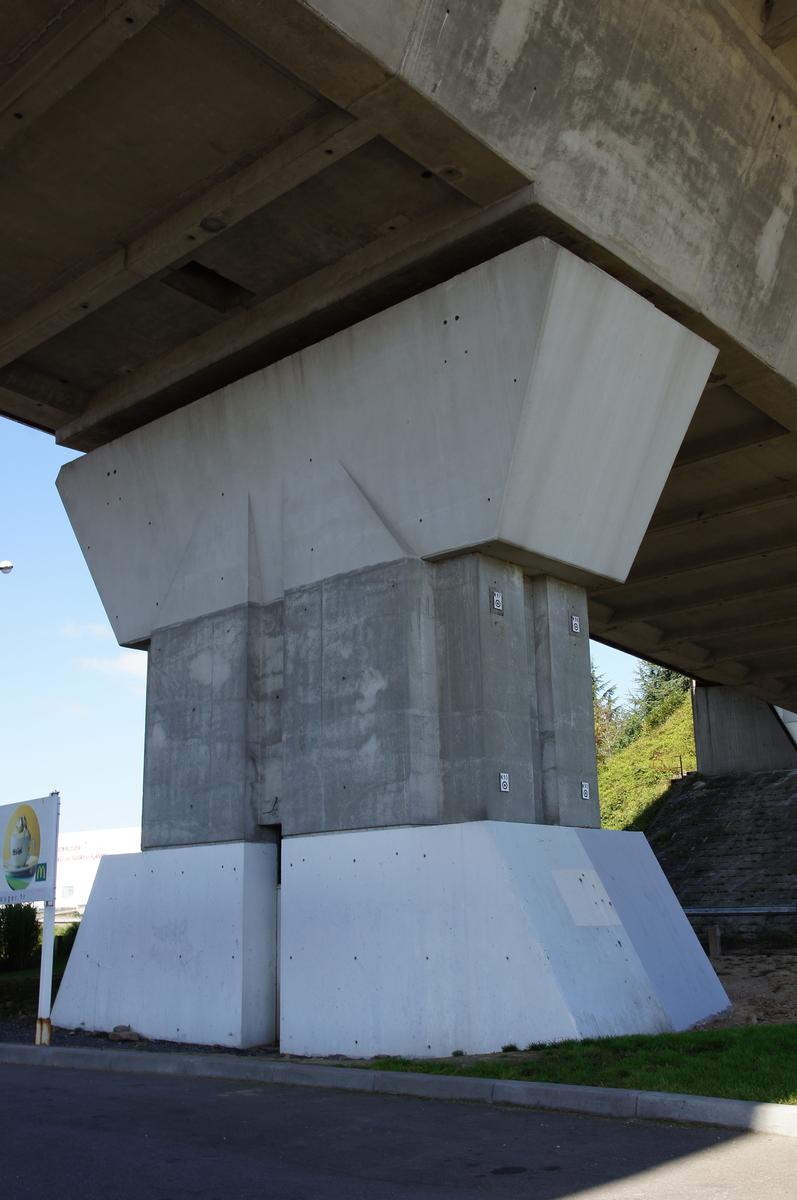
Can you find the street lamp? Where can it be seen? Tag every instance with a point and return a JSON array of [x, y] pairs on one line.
[[6, 566]]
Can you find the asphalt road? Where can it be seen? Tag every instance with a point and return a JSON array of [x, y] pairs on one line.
[[88, 1135]]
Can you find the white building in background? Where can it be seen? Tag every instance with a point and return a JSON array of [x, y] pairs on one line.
[[79, 857]]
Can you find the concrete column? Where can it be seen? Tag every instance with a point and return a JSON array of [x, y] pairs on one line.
[[360, 744], [735, 733], [409, 693], [212, 733], [486, 692], [568, 787]]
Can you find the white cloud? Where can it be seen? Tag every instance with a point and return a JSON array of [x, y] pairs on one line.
[[126, 662], [77, 629], [130, 664]]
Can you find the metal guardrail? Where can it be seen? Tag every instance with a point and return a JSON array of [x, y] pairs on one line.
[[742, 911]]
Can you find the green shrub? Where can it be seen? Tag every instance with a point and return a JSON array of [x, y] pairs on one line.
[[64, 941], [19, 936]]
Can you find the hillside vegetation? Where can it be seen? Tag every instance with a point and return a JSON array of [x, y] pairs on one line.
[[642, 748]]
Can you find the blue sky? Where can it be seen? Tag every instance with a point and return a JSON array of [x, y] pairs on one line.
[[72, 701]]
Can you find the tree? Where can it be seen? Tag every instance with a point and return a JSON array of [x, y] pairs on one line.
[[657, 688], [608, 715], [657, 693]]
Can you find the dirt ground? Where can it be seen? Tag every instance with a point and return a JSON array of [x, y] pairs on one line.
[[762, 989]]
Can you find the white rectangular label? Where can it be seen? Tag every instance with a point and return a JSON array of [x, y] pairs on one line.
[[584, 790], [575, 624], [504, 781]]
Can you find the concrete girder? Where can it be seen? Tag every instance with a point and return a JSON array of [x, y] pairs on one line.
[[748, 601], [601, 142], [781, 22], [784, 544], [315, 43], [75, 49], [273, 174], [755, 501], [43, 390]]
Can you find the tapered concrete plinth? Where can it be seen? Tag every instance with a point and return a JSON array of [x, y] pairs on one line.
[[422, 941], [416, 940], [180, 945]]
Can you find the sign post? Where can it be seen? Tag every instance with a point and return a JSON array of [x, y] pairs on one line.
[[29, 835]]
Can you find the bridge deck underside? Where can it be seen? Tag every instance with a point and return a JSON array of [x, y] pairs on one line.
[[195, 189]]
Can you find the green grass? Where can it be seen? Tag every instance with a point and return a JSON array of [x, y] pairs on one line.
[[632, 780], [755, 1063]]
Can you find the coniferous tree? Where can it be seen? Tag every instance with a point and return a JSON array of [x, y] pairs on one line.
[[607, 713]]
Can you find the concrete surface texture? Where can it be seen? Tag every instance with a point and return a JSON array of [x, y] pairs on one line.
[[180, 945], [389, 696], [378, 443], [422, 941], [616, 118], [736, 733], [127, 1137]]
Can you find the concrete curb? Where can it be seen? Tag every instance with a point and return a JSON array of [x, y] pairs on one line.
[[592, 1101]]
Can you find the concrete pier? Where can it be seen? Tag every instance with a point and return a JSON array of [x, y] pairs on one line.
[[736, 733], [361, 576]]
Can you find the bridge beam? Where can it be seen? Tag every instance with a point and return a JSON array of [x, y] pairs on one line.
[[781, 22]]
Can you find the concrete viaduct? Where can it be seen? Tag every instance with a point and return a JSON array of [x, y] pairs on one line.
[[409, 342]]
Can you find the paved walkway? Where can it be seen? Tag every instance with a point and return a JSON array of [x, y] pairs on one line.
[[89, 1135]]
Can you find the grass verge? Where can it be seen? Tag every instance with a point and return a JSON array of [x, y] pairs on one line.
[[755, 1063], [632, 781]]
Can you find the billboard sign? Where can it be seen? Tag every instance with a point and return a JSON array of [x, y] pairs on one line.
[[29, 842]]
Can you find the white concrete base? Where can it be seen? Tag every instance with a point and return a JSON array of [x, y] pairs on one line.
[[424, 940], [179, 944]]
